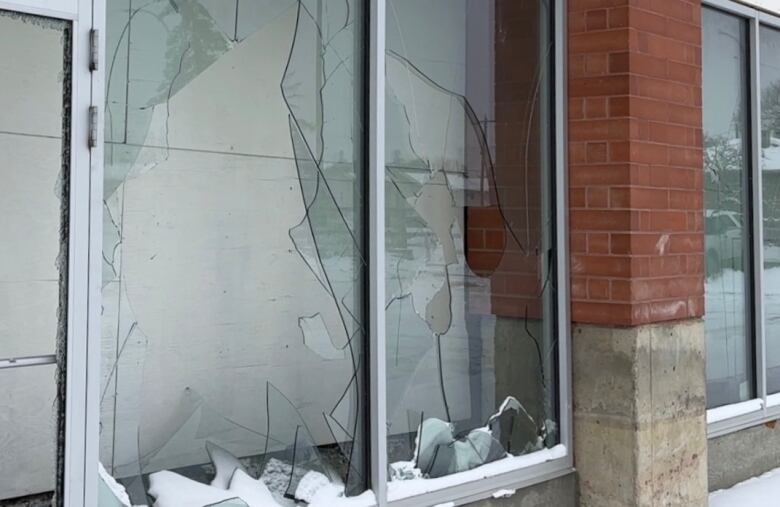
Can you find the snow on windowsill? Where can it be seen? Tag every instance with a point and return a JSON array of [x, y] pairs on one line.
[[761, 491], [773, 400], [397, 490], [734, 410]]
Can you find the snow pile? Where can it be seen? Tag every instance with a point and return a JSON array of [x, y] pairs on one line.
[[170, 489], [311, 485], [504, 493], [404, 471], [232, 486], [224, 463], [276, 475], [252, 491], [760, 491]]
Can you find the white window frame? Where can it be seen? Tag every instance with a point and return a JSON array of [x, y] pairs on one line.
[[764, 407], [84, 393]]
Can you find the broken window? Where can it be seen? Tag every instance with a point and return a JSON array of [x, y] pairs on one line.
[[233, 258], [34, 148], [470, 271], [234, 254]]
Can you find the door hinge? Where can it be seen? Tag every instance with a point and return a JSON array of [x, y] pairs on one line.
[[94, 45], [93, 127]]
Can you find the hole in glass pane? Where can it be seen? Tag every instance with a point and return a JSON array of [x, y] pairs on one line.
[[471, 338], [233, 273]]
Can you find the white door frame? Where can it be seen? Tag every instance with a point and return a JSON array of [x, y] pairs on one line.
[[80, 480]]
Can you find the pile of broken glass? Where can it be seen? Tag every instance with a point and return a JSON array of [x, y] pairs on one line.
[[310, 481]]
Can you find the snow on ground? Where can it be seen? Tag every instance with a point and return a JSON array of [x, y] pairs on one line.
[[760, 491]]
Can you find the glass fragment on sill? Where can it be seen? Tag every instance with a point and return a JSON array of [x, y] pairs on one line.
[[290, 441], [440, 451]]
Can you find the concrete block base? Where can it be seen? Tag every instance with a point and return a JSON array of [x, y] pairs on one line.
[[738, 456], [560, 492], [640, 434]]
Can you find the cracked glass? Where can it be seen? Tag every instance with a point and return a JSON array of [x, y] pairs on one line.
[[233, 255], [34, 183], [471, 336], [726, 215]]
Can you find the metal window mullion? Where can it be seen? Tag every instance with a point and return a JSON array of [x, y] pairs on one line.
[[93, 12], [562, 231], [376, 295], [757, 206], [76, 431]]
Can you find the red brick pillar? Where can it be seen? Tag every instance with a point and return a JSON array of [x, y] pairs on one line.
[[636, 234], [635, 161]]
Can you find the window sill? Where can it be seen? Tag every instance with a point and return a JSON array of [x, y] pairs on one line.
[[484, 482], [739, 416]]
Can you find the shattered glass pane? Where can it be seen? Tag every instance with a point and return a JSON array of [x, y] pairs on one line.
[[34, 203], [471, 339], [233, 259]]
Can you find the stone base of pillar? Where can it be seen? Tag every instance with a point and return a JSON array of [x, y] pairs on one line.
[[640, 435]]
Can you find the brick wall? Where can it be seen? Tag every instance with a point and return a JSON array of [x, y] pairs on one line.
[[635, 160]]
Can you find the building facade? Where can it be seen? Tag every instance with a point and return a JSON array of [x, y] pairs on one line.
[[357, 253]]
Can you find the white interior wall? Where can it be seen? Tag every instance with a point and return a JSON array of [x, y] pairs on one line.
[[210, 276], [208, 270], [31, 99]]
